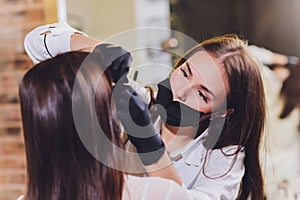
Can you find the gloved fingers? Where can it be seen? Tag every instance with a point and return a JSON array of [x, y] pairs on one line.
[[128, 59], [137, 103], [123, 106], [130, 126], [122, 92], [123, 60], [120, 67], [135, 110], [134, 129], [120, 75], [115, 58], [107, 53], [122, 116]]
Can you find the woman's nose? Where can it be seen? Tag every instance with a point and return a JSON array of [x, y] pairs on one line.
[[181, 93]]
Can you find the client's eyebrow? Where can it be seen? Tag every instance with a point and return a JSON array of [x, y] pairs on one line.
[[189, 68]]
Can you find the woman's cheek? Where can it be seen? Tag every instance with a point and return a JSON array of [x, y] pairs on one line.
[[174, 81], [177, 80]]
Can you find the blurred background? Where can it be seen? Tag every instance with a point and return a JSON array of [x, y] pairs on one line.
[[272, 24]]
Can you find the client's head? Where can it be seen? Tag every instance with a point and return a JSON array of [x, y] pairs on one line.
[[64, 101]]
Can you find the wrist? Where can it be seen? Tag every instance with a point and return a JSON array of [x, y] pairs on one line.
[[81, 42], [150, 158], [164, 168], [149, 149]]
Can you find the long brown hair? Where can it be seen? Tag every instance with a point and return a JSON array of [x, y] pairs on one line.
[[245, 126], [59, 166]]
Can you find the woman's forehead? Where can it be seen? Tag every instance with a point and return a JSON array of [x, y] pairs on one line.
[[209, 71], [201, 58]]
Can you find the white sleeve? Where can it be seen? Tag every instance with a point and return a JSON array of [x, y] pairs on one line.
[[157, 188], [216, 183], [177, 192], [40, 47]]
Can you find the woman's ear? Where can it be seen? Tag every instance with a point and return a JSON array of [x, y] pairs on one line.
[[220, 114], [229, 111]]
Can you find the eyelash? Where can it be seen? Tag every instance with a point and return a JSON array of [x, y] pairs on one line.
[[184, 73], [200, 93], [203, 97]]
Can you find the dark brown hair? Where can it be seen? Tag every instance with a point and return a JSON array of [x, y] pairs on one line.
[[245, 126], [59, 166]]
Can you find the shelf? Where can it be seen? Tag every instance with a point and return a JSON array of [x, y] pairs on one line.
[[13, 57], [10, 125], [17, 18], [12, 73], [9, 9], [21, 25]]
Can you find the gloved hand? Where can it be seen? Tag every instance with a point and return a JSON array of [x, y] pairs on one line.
[[48, 41], [133, 113], [115, 58]]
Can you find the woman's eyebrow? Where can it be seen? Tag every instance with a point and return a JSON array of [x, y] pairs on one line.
[[189, 68], [208, 91], [201, 86]]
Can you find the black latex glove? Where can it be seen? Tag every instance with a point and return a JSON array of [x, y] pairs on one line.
[[133, 113], [115, 58]]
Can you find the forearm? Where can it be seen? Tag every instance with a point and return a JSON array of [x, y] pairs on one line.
[[164, 168], [80, 42]]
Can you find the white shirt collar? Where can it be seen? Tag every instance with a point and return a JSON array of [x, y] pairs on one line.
[[187, 152]]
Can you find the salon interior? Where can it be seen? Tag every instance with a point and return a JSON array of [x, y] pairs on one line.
[[156, 33]]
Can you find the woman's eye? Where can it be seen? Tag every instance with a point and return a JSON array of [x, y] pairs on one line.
[[203, 96], [184, 73]]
